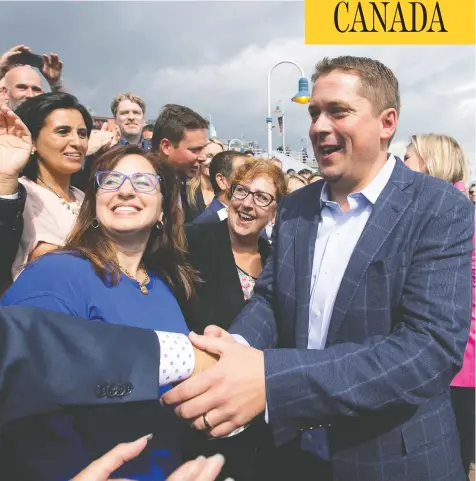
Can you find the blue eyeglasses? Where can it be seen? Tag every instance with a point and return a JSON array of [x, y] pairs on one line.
[[113, 180]]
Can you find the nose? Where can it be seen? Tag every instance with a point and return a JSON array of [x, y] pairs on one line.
[[29, 93], [74, 139], [126, 189], [322, 125], [201, 157], [248, 201]]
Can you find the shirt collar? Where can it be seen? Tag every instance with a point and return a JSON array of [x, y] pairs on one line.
[[372, 190]]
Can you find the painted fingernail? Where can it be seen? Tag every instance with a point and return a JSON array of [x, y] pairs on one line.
[[219, 457], [149, 436]]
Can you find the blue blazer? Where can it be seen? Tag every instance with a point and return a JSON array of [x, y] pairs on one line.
[[396, 337], [209, 214]]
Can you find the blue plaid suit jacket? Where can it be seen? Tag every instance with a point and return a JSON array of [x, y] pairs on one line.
[[396, 337]]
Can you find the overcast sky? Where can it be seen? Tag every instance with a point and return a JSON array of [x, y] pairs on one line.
[[214, 57]]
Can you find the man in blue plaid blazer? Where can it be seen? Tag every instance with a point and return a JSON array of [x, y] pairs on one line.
[[361, 315]]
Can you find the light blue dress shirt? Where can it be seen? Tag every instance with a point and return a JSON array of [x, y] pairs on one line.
[[337, 236]]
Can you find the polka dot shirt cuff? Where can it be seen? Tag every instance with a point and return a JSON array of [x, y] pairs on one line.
[[177, 358]]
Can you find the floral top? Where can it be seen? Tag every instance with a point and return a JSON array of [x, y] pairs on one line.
[[247, 283]]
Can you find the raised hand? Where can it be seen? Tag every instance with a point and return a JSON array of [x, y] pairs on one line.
[[6, 62], [52, 68], [15, 144], [99, 139]]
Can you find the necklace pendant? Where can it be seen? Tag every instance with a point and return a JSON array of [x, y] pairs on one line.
[[144, 290]]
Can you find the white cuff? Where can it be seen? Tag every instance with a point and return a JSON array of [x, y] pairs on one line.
[[177, 357], [241, 339], [10, 196]]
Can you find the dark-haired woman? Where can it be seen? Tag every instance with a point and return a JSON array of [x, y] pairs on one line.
[[123, 264], [56, 133]]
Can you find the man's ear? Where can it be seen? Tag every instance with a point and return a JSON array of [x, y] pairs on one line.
[[222, 182], [389, 121], [165, 147]]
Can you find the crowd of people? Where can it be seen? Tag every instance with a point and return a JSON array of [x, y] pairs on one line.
[[303, 325]]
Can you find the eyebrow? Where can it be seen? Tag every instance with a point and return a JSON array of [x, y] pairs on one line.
[[312, 108], [58, 127], [25, 86], [333, 103]]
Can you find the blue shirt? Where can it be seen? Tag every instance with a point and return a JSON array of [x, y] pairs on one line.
[[143, 143], [52, 448], [208, 215], [337, 236]]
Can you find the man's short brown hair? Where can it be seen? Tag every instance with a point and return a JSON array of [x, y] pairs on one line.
[[126, 96], [172, 123], [378, 83]]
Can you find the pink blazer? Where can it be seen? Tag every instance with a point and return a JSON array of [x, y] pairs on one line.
[[466, 377]]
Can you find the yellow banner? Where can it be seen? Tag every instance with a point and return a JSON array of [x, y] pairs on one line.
[[427, 22]]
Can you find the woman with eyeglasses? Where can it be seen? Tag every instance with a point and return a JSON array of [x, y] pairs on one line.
[[123, 263], [229, 256]]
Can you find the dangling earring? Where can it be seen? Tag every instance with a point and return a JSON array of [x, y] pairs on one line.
[[95, 223], [159, 225]]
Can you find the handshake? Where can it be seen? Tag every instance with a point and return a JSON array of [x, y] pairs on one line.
[[225, 392], [227, 388]]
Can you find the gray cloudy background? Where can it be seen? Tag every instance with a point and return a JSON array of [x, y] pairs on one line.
[[215, 56]]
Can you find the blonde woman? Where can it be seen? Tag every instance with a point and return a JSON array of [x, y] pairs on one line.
[[200, 191], [441, 156]]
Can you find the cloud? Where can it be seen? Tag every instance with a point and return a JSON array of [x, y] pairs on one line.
[[436, 89], [215, 58]]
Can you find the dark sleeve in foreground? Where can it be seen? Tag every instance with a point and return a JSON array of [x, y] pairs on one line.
[[11, 229], [50, 360]]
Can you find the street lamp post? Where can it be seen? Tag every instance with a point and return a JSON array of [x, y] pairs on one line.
[[302, 97], [235, 141]]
